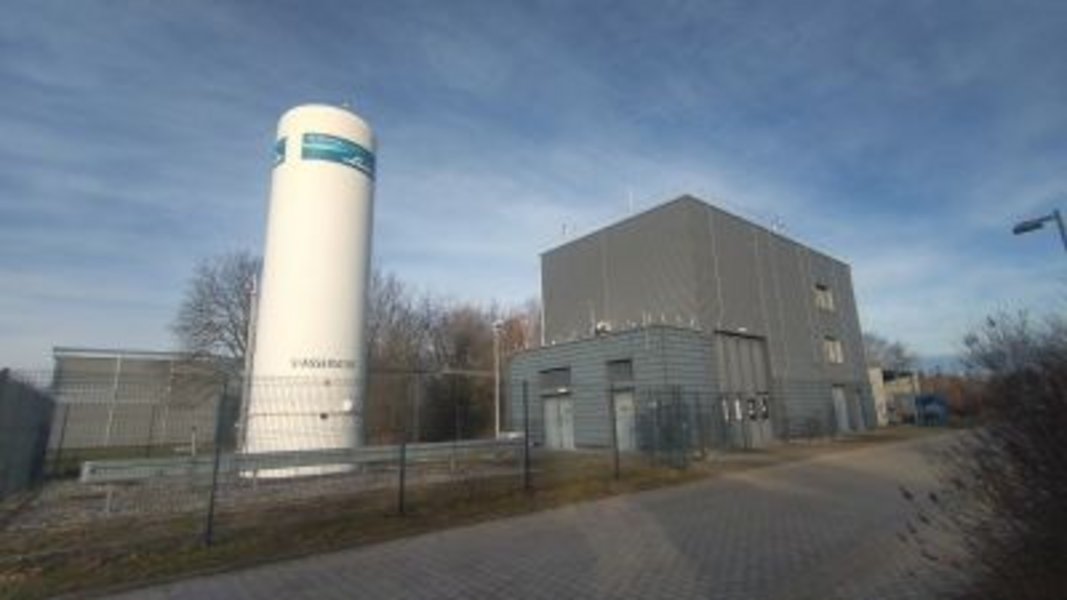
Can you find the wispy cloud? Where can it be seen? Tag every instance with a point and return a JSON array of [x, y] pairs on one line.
[[903, 137]]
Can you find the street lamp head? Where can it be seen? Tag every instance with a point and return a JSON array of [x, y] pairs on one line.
[[1034, 224], [1028, 226]]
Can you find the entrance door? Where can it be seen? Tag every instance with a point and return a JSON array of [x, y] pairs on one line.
[[625, 413], [552, 432], [559, 423], [744, 381], [566, 423], [841, 409]]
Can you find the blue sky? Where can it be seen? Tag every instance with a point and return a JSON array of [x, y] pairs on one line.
[[903, 137]]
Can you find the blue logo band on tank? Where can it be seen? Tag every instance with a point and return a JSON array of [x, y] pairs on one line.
[[279, 152], [323, 146]]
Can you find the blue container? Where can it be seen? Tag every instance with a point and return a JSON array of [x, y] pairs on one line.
[[931, 410]]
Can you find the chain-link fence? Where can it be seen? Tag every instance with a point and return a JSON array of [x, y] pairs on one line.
[[199, 456]]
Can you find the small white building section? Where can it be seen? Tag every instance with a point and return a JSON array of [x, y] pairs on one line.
[[308, 360], [881, 399]]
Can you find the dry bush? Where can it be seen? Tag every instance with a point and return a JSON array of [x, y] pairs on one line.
[[998, 526]]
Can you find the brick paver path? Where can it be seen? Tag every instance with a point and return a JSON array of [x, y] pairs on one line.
[[819, 529]]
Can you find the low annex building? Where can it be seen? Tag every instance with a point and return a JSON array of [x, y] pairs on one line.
[[691, 314]]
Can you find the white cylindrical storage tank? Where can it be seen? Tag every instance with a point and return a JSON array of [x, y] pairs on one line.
[[308, 362]]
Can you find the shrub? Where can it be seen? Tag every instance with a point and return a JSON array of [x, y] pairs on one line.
[[998, 525]]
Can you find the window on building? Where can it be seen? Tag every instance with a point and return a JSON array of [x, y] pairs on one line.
[[555, 381], [621, 372], [833, 350], [824, 297]]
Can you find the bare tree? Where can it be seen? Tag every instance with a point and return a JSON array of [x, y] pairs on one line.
[[520, 327], [997, 528], [213, 317], [398, 323], [893, 356], [398, 334], [411, 339], [462, 337], [1010, 343]]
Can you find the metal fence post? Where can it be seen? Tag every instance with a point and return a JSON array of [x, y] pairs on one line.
[[151, 431], [416, 401], [455, 422], [525, 435], [706, 412], [655, 429], [455, 409], [746, 433], [39, 464], [57, 462], [403, 472], [114, 402], [687, 441], [700, 443], [614, 431], [209, 525]]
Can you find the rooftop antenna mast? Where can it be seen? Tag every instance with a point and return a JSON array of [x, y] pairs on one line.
[[777, 224]]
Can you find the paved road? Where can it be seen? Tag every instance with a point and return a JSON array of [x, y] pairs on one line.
[[824, 528]]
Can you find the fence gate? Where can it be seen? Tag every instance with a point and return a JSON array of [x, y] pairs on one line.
[[744, 389]]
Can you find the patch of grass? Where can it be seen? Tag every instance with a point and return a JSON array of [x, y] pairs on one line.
[[166, 548], [126, 551]]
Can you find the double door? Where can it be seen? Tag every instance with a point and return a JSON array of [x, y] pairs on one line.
[[744, 389]]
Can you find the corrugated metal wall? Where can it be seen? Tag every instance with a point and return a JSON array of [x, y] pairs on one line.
[[689, 264], [638, 271], [133, 401], [662, 357]]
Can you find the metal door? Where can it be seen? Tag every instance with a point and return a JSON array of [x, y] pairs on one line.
[[625, 420], [745, 386], [552, 432], [566, 423], [841, 409], [559, 423]]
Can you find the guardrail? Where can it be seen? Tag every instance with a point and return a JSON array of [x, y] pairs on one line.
[[141, 469]]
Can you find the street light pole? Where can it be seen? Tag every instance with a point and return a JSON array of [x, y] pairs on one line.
[[1063, 232], [250, 346], [497, 325], [1034, 224]]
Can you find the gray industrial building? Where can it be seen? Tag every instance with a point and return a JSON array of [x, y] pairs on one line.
[[753, 336]]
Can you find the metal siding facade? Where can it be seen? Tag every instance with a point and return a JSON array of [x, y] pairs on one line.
[[122, 401], [734, 244], [639, 271], [572, 289], [649, 264], [661, 356], [688, 263]]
